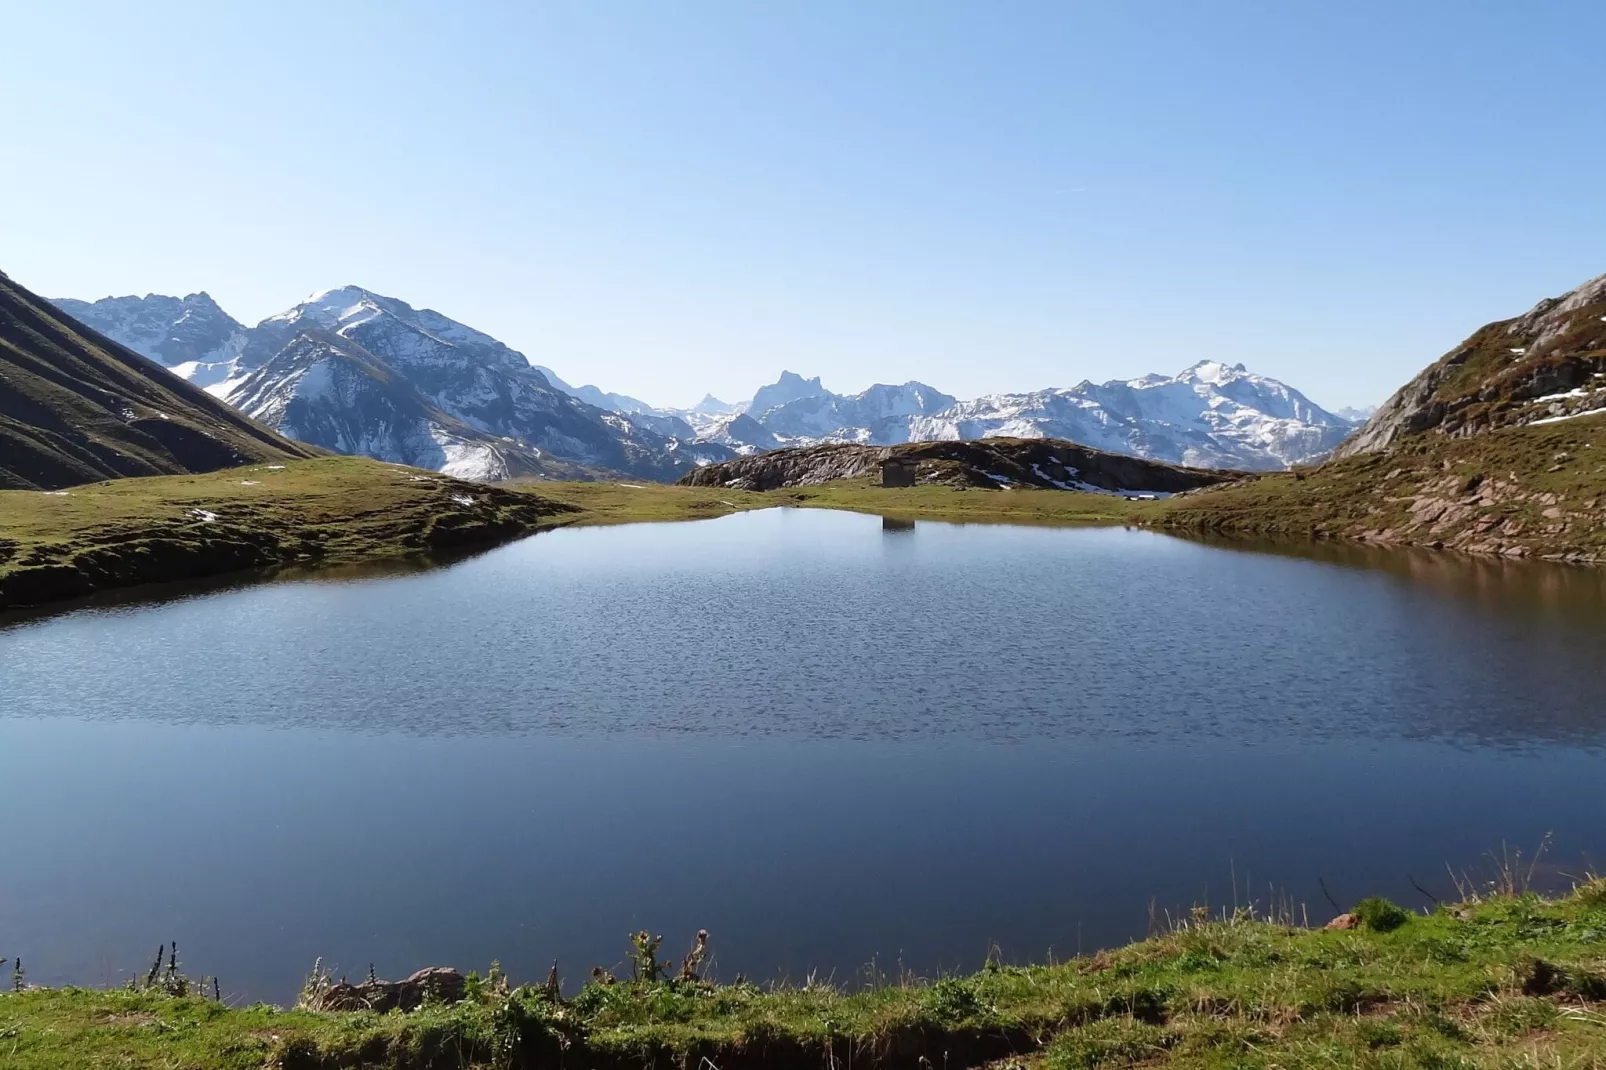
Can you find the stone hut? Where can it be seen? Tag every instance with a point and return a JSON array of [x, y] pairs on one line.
[[898, 471]]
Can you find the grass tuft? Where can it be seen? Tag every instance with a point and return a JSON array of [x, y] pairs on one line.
[[1380, 915]]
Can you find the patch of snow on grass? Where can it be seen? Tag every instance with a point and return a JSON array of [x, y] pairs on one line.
[[1577, 392], [275, 467], [632, 486], [1569, 416], [462, 499], [250, 483], [203, 515]]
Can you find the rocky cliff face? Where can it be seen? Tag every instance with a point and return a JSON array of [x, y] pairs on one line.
[[992, 464], [1545, 366]]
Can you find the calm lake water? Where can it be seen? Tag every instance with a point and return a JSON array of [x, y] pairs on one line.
[[827, 738]]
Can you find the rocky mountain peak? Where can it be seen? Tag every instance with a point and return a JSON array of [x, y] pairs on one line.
[[789, 387]]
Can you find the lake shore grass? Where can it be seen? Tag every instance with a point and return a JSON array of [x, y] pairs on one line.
[[1501, 980], [65, 544]]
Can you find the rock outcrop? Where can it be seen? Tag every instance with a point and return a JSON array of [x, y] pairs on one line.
[[994, 464], [433, 984], [1544, 366]]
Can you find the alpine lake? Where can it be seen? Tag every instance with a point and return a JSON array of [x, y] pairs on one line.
[[843, 744]]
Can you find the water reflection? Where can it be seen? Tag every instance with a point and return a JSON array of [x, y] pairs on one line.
[[1498, 584], [156, 594], [788, 623]]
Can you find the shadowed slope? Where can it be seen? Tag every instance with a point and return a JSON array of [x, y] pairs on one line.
[[76, 407]]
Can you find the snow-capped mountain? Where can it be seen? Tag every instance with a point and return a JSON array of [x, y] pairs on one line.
[[327, 390], [190, 335], [712, 406], [739, 432], [471, 377], [408, 376], [878, 414], [1210, 415]]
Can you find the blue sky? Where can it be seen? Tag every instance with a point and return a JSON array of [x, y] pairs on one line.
[[667, 198]]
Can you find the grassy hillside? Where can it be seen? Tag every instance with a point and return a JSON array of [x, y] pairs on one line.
[[72, 542], [1505, 981], [76, 407], [1536, 491]]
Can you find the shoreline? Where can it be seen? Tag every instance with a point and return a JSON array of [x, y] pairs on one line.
[[1502, 978], [347, 511]]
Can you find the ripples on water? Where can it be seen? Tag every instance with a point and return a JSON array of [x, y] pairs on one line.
[[833, 625], [826, 736]]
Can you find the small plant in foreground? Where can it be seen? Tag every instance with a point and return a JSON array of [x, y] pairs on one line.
[[951, 999], [313, 989], [644, 957], [1380, 915]]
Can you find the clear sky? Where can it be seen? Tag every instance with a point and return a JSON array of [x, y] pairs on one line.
[[671, 197]]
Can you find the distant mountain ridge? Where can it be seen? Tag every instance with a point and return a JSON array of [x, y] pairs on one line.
[[1208, 415], [482, 410]]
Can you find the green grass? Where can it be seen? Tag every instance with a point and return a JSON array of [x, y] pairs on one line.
[[1506, 981], [334, 510]]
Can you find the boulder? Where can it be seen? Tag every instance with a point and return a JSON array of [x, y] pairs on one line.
[[440, 984]]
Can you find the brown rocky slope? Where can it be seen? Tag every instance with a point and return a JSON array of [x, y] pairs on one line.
[[991, 463]]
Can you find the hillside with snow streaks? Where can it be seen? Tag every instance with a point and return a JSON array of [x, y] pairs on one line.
[[190, 336], [326, 390], [364, 373], [473, 378]]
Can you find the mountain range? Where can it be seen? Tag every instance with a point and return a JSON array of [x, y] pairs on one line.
[[1209, 415], [357, 372]]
